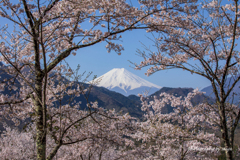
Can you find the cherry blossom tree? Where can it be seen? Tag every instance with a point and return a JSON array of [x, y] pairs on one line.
[[105, 138], [181, 134], [203, 41], [34, 49]]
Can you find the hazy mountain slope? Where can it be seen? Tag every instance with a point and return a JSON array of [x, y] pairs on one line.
[[122, 81], [229, 82], [116, 100], [180, 92]]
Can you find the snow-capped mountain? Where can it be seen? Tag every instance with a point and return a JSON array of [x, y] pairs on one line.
[[122, 81]]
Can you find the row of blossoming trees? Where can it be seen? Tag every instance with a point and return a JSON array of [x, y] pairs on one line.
[[44, 33]]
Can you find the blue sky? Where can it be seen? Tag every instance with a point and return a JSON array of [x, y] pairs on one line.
[[96, 59]]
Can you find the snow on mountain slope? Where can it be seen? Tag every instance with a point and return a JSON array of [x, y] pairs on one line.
[[122, 81]]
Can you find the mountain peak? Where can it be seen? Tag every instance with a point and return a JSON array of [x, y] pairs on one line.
[[122, 69], [125, 82]]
